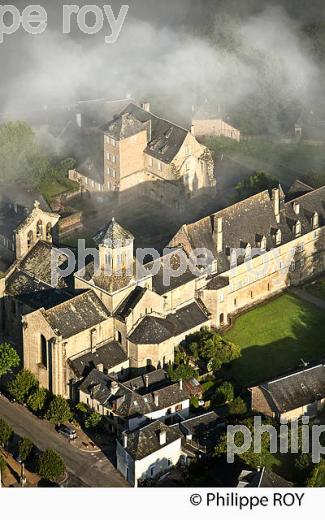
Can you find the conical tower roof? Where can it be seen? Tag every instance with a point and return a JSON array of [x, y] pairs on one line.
[[113, 235]]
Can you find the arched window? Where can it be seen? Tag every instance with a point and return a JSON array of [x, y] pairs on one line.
[[39, 229], [30, 239], [119, 336], [148, 364], [248, 251], [263, 244], [43, 351], [222, 319], [49, 231]]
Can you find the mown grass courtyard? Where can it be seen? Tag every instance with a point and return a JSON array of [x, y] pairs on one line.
[[275, 337]]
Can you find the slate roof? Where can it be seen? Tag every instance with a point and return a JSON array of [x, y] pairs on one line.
[[264, 478], [38, 263], [296, 390], [203, 428], [154, 330], [114, 235], [80, 313], [128, 402], [34, 293], [145, 441], [110, 354], [9, 218], [168, 265], [130, 302], [164, 138], [246, 221]]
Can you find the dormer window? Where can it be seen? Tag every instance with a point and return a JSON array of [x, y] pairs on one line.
[[263, 244], [315, 220], [297, 228], [296, 208], [278, 237], [248, 251]]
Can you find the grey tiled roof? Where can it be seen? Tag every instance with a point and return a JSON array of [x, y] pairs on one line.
[[296, 390], [130, 402], [114, 235], [126, 307], [145, 441], [154, 330], [249, 219], [80, 313], [164, 138], [109, 354]]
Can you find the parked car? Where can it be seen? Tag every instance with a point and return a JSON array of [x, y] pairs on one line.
[[67, 432]]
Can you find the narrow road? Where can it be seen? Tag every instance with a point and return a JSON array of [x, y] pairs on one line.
[[310, 298], [94, 470]]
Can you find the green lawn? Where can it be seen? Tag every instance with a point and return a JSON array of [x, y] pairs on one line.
[[317, 289], [50, 188], [275, 337]]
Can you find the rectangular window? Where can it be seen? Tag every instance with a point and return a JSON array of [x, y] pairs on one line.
[[221, 298], [108, 156], [113, 158], [179, 407], [150, 161], [159, 166], [113, 142]]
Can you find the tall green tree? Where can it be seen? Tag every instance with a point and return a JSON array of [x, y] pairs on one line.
[[22, 385], [5, 432], [51, 465], [59, 410], [9, 359], [25, 447], [37, 400]]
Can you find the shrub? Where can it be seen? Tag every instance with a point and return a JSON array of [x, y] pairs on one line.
[[237, 407], [93, 420], [224, 393]]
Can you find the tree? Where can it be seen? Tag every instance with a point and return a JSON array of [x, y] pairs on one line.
[[51, 465], [59, 410], [22, 385], [237, 407], [224, 393], [5, 432], [17, 144], [25, 447], [255, 183], [3, 464], [37, 400], [93, 420], [183, 371], [9, 359]]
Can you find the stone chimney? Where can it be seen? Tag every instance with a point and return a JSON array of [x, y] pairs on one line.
[[146, 381], [125, 440], [156, 399], [181, 384], [162, 437], [145, 106], [218, 233], [276, 203], [114, 387], [100, 367]]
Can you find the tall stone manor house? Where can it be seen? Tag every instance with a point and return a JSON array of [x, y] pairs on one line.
[[150, 156], [124, 324]]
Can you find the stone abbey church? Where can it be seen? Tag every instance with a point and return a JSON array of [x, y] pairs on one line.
[[124, 324]]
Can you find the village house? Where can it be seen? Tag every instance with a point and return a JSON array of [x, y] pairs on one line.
[[211, 122], [291, 396], [148, 452], [262, 478], [143, 152], [130, 404]]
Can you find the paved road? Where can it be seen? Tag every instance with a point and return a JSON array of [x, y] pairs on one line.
[[94, 470]]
